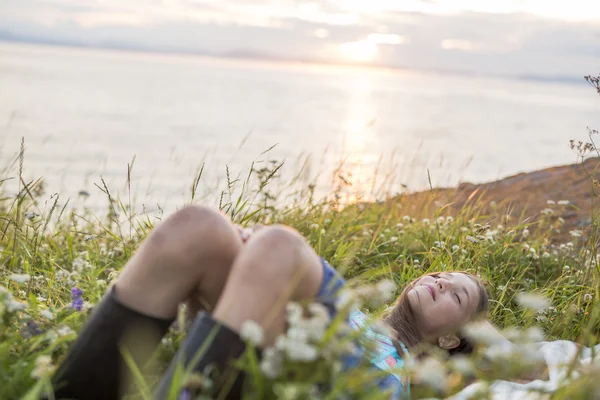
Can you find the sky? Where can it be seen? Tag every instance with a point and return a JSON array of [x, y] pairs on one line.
[[545, 38]]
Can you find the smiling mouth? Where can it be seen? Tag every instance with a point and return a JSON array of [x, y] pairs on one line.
[[431, 291]]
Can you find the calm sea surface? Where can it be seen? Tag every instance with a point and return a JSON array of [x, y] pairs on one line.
[[87, 113]]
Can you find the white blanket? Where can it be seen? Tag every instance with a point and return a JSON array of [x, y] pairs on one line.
[[558, 356]]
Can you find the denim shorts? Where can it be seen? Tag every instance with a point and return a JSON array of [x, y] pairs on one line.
[[330, 285]]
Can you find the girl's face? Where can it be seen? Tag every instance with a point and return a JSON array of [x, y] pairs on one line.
[[443, 302]]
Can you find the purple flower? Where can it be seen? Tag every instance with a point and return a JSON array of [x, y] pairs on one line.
[[77, 302], [31, 329]]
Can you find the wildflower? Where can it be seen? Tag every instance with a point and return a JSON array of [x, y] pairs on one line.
[[327, 221], [271, 363], [89, 237], [525, 233], [31, 329], [563, 202], [298, 350], [64, 331], [14, 306], [575, 233], [482, 332], [30, 215], [79, 264], [43, 367], [20, 278], [101, 283], [464, 229], [566, 268], [47, 314], [252, 332], [386, 289], [462, 365], [426, 221], [532, 301], [314, 226], [294, 312], [347, 299], [455, 247], [394, 239], [322, 231], [406, 219], [587, 297], [449, 220], [431, 372], [547, 211], [87, 306], [399, 226], [77, 301], [472, 239], [550, 202], [439, 244]]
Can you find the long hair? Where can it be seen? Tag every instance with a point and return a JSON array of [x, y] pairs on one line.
[[402, 319]]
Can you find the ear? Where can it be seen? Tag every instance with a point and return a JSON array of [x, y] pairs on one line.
[[448, 342]]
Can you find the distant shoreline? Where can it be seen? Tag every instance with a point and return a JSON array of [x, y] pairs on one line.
[[5, 37]]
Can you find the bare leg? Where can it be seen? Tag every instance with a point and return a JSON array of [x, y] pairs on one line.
[[274, 267], [193, 250]]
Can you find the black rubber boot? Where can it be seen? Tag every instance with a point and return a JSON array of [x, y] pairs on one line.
[[95, 368], [208, 343]]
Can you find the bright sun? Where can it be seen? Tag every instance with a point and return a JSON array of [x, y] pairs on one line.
[[363, 51]]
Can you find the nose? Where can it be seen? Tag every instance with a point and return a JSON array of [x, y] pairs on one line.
[[443, 284]]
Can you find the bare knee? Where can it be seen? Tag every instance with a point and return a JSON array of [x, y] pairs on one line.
[[191, 231], [281, 256]]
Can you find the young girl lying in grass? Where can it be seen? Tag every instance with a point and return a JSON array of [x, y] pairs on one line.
[[198, 252]]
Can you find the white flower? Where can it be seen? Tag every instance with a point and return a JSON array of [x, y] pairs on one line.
[[483, 332], [319, 312], [432, 373], [525, 233], [347, 299], [20, 278], [79, 264], [101, 283], [547, 211], [252, 332], [64, 331], [327, 220], [449, 220], [455, 247], [30, 215], [300, 351], [294, 312], [550, 202], [462, 365], [394, 239], [464, 229], [314, 226], [271, 363], [399, 225], [322, 231], [472, 239], [563, 202], [14, 305], [426, 221], [439, 244], [43, 367], [575, 233], [406, 219], [386, 289], [47, 314], [532, 301], [587, 297]]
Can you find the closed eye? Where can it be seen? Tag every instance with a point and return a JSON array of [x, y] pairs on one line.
[[458, 297]]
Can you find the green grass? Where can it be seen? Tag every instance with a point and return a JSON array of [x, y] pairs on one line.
[[60, 248]]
